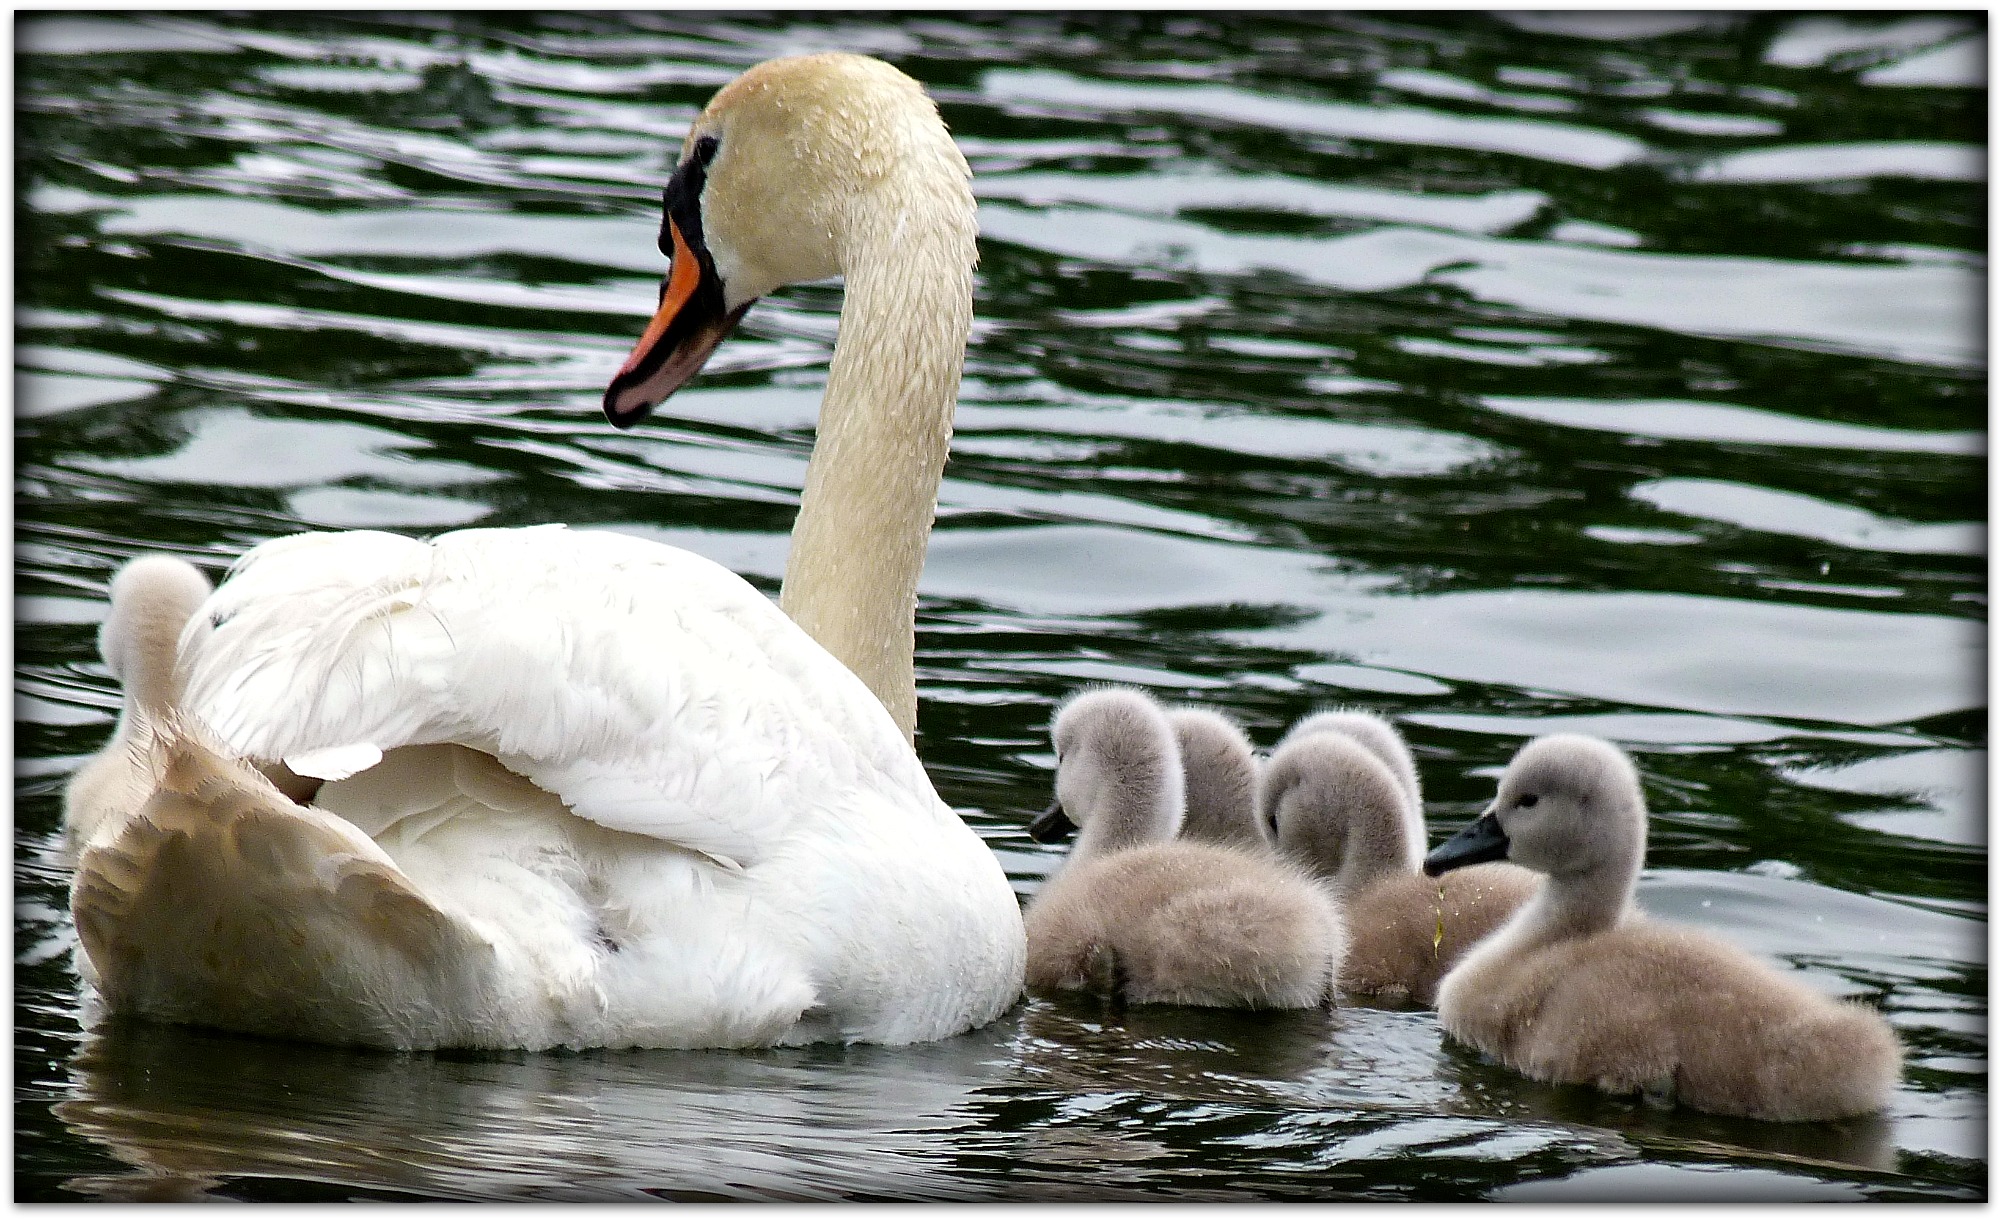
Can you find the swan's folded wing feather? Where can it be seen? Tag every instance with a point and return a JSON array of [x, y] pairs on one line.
[[650, 689]]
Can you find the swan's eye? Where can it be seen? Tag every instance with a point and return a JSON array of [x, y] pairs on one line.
[[1526, 800], [681, 199]]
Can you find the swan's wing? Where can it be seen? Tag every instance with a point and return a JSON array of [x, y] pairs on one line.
[[650, 689], [220, 900]]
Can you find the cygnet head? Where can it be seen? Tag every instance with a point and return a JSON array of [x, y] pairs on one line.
[[1381, 739], [782, 176], [1219, 778], [152, 599], [1373, 732], [1332, 804], [1119, 774], [1567, 806]]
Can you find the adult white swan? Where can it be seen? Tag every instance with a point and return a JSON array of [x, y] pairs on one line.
[[545, 787]]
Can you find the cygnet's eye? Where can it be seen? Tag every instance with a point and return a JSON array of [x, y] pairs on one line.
[[1526, 800]]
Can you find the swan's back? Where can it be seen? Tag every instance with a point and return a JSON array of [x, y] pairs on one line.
[[675, 819], [642, 685]]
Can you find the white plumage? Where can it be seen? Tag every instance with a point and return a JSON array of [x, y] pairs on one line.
[[648, 688], [541, 787], [623, 799]]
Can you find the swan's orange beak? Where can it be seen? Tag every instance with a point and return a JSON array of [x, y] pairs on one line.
[[686, 328]]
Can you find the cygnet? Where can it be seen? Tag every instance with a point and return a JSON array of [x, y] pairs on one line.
[[1581, 987], [1143, 917], [152, 599], [1331, 800]]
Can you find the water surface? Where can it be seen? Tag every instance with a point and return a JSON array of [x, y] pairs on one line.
[[1614, 373]]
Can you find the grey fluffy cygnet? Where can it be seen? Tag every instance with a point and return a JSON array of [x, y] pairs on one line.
[[1340, 797], [152, 599], [1581, 987], [1381, 739], [1219, 778], [1144, 917]]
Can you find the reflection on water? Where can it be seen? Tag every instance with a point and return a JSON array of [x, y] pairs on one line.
[[1050, 1103], [1509, 373], [187, 1108]]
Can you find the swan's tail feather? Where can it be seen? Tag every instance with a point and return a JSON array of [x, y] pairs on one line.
[[223, 902]]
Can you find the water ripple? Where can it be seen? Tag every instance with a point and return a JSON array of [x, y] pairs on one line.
[[1612, 372]]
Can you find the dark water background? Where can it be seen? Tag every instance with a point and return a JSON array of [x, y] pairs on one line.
[[1621, 374]]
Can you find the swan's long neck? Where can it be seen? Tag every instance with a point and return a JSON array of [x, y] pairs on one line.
[[872, 485]]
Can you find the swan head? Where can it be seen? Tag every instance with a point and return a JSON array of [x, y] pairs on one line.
[[775, 178], [1567, 804], [1119, 773], [1333, 805]]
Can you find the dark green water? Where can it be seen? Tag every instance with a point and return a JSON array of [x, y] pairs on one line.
[[1620, 374]]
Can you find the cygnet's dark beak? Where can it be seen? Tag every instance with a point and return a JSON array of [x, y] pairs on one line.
[[1478, 841], [1052, 826]]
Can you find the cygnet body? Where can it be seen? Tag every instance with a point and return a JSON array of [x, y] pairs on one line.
[[1581, 987], [1219, 779], [1146, 918], [152, 599], [1333, 800]]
